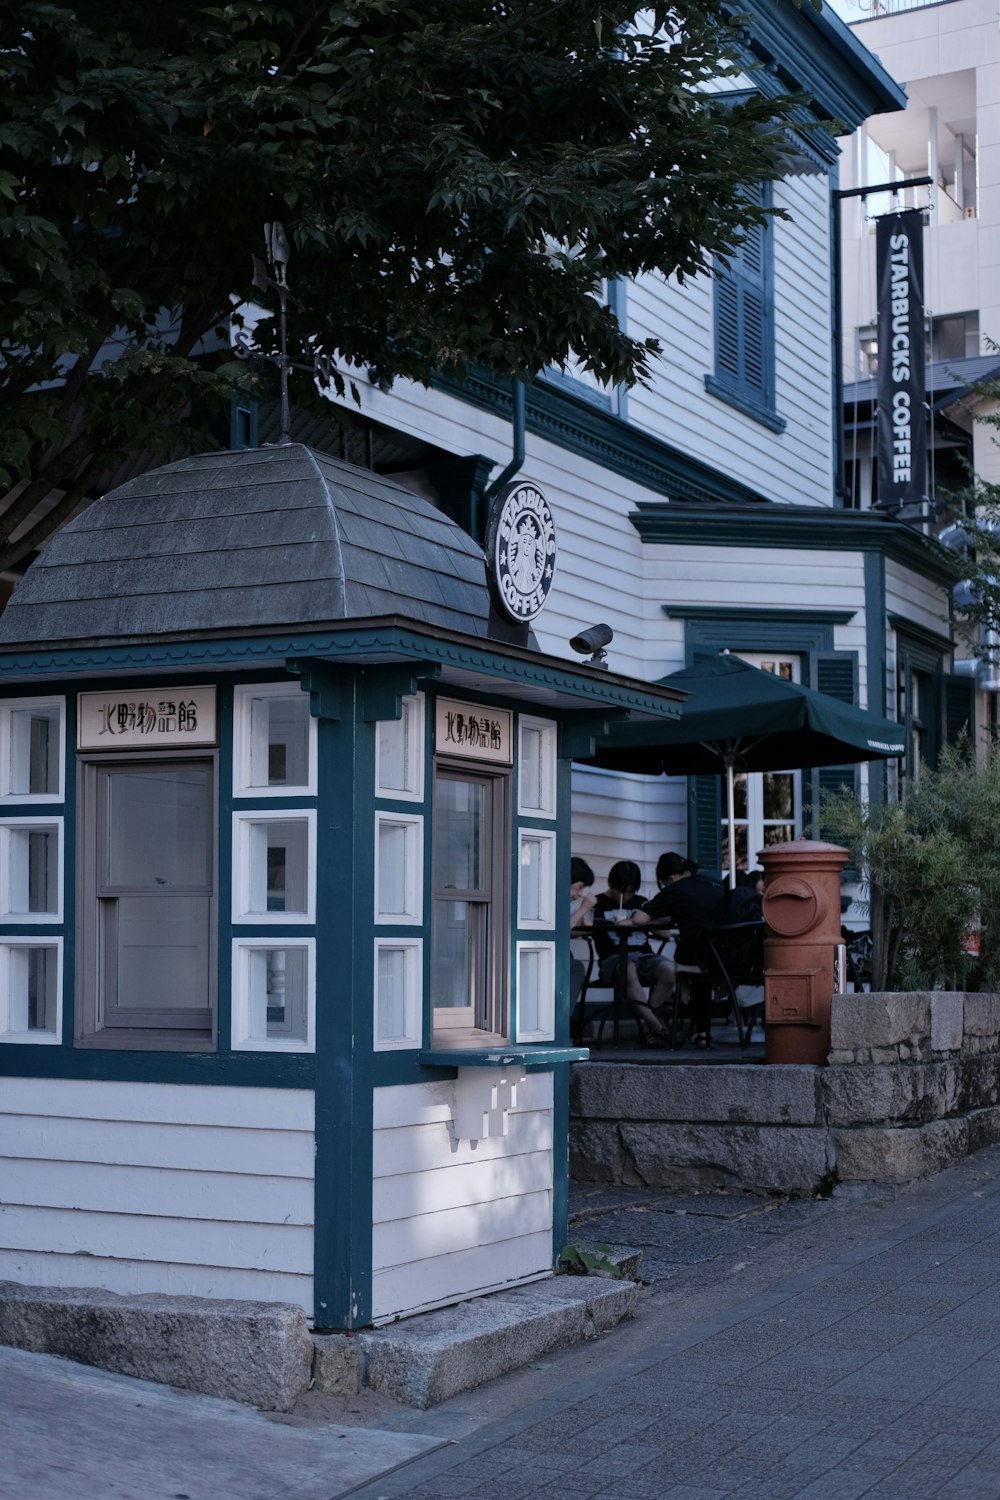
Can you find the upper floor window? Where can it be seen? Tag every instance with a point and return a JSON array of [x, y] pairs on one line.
[[744, 323]]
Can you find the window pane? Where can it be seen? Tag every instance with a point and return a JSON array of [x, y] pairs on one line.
[[392, 868], [156, 951], [458, 954], [395, 750], [532, 767], [278, 993], [279, 866], [460, 810], [529, 990], [779, 794], [279, 740], [159, 826], [32, 870], [34, 751], [390, 1013], [32, 976]]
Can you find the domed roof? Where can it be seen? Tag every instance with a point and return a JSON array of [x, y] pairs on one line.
[[256, 539]]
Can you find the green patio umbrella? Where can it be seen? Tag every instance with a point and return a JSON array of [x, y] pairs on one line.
[[740, 717]]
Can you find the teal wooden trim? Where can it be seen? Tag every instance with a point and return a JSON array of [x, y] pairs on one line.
[[564, 851], [389, 1069], [809, 50], [511, 667], [105, 1064], [344, 883], [384, 688], [875, 658], [737, 615], [580, 733], [224, 872], [560, 1161], [756, 630], [328, 691], [574, 425], [540, 1055], [935, 645], [800, 527]]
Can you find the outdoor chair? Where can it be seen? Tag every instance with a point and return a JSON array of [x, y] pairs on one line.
[[736, 960], [597, 1001]]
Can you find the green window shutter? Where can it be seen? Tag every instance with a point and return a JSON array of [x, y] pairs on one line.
[[835, 673], [743, 304], [958, 707], [705, 821]]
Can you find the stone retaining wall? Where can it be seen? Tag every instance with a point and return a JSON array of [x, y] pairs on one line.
[[913, 1083]]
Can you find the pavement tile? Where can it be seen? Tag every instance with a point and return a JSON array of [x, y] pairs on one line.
[[837, 1484]]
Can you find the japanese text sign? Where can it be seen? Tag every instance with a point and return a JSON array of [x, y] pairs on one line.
[[146, 717], [474, 732]]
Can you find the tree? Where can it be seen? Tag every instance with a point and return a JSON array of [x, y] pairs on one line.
[[456, 178]]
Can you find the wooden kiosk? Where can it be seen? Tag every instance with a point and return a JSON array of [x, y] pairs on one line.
[[284, 850]]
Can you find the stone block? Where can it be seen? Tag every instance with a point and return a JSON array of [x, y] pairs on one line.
[[898, 1154], [335, 1369], [256, 1352], [763, 1159], [741, 1093], [596, 1154], [982, 1016], [947, 1010], [899, 1091], [860, 1022], [424, 1360]]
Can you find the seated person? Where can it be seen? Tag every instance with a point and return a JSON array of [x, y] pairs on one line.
[[619, 902], [581, 904], [746, 902], [691, 903]]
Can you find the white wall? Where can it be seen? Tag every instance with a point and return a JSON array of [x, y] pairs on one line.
[[101, 1186], [455, 1219]]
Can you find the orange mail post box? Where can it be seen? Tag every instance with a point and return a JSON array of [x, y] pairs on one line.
[[802, 912]]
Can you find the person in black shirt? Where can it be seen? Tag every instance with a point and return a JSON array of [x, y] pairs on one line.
[[690, 903], [620, 903]]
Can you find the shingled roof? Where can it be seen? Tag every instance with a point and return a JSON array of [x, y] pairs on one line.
[[262, 538]]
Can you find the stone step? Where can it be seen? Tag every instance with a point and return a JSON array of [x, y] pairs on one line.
[[425, 1359]]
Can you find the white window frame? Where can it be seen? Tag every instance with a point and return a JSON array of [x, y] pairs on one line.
[[549, 734], [9, 830], [243, 822], [546, 1017], [413, 868], [413, 951], [243, 696], [755, 822], [7, 708], [240, 1038], [8, 943], [412, 770], [545, 838]]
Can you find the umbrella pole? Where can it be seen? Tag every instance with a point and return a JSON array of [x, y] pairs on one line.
[[731, 818]]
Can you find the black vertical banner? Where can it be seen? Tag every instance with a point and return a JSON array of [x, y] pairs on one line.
[[902, 431]]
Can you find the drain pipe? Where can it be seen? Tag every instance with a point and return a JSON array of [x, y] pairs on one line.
[[481, 509]]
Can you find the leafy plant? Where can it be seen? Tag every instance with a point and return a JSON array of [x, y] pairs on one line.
[[457, 178], [593, 1260], [931, 865]]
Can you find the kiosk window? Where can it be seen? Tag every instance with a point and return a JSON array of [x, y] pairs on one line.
[[147, 936], [468, 923]]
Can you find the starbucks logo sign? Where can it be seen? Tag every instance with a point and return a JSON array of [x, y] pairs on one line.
[[520, 551]]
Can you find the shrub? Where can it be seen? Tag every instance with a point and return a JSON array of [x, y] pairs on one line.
[[931, 866]]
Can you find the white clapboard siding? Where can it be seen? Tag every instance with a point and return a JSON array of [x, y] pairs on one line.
[[128, 1278], [457, 1277], [158, 1187], [917, 599], [454, 1219], [82, 1234]]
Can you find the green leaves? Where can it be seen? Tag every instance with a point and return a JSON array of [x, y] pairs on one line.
[[423, 158]]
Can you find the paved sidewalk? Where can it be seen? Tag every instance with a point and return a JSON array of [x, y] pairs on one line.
[[785, 1351]]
